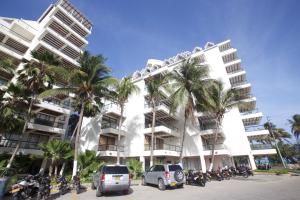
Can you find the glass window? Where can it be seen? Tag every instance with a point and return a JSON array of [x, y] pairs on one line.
[[159, 168], [173, 168], [115, 170]]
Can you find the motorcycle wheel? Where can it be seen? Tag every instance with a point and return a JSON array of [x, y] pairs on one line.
[[245, 175]]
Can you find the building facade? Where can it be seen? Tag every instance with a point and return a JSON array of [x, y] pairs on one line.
[[61, 30], [237, 138]]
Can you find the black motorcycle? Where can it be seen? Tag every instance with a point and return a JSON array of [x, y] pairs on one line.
[[240, 171], [76, 183], [44, 187], [216, 175], [195, 178], [25, 189], [62, 185]]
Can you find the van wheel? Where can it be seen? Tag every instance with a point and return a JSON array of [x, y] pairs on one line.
[[93, 187], [161, 185], [98, 192], [143, 181]]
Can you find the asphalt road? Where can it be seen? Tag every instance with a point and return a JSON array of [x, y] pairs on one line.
[[259, 187]]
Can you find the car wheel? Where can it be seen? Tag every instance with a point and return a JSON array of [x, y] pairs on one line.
[[144, 181], [161, 185], [93, 187], [180, 185], [98, 192]]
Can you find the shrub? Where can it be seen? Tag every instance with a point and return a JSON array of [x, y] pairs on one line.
[[135, 167]]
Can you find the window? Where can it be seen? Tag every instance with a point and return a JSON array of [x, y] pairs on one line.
[[115, 170], [159, 168], [173, 168]]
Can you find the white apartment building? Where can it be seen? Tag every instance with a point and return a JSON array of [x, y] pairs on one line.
[[236, 143], [62, 30]]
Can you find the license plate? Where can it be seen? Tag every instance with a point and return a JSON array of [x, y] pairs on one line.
[[173, 184], [117, 178], [15, 190]]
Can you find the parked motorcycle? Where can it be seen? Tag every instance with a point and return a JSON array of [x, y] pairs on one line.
[[225, 174], [25, 189], [240, 171], [44, 187], [76, 183], [195, 178], [62, 185], [216, 175]]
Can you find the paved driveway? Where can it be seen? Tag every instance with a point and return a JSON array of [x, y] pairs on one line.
[[259, 187]]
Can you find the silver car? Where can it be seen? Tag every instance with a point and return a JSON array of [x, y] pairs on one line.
[[111, 178], [164, 175]]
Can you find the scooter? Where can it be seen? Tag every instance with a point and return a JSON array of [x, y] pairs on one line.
[[195, 178], [62, 185]]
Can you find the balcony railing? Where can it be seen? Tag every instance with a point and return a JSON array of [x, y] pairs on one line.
[[48, 123], [238, 83], [204, 127], [10, 143], [110, 147], [254, 128], [261, 146], [217, 147], [235, 71], [148, 105], [64, 104], [243, 97], [250, 112], [158, 123], [168, 147]]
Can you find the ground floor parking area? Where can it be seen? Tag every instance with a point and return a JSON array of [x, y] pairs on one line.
[[259, 187]]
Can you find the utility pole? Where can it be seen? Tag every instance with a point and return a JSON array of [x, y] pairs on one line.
[[272, 134]]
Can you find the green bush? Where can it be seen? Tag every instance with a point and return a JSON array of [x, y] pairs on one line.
[[135, 167], [275, 171]]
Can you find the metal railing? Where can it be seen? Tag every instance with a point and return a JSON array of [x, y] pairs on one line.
[[217, 147], [250, 112], [11, 143], [238, 83], [110, 147], [47, 123], [148, 105], [243, 97], [261, 146], [163, 146], [20, 37], [235, 71], [158, 123], [204, 127], [254, 128], [64, 103]]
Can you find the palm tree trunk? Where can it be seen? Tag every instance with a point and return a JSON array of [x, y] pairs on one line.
[[213, 147], [77, 140], [119, 134], [152, 132], [24, 134], [51, 167], [55, 169], [182, 140], [62, 168]]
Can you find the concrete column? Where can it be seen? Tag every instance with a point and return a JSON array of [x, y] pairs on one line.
[[203, 164], [142, 159], [252, 162]]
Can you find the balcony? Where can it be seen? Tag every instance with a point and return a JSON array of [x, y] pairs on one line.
[[208, 128], [251, 118], [224, 46], [162, 130], [42, 125], [112, 110], [110, 150], [163, 150], [256, 132], [27, 147], [229, 56], [162, 111], [262, 149], [108, 128], [220, 149], [217, 147]]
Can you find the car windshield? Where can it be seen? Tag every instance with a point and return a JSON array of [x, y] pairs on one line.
[[174, 168], [116, 170]]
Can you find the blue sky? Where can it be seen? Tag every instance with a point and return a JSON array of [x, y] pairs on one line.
[[265, 32]]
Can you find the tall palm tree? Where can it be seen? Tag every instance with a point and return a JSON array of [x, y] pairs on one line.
[[217, 102], [123, 89], [55, 150], [90, 84], [295, 126], [38, 75], [154, 86], [189, 78], [279, 133]]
